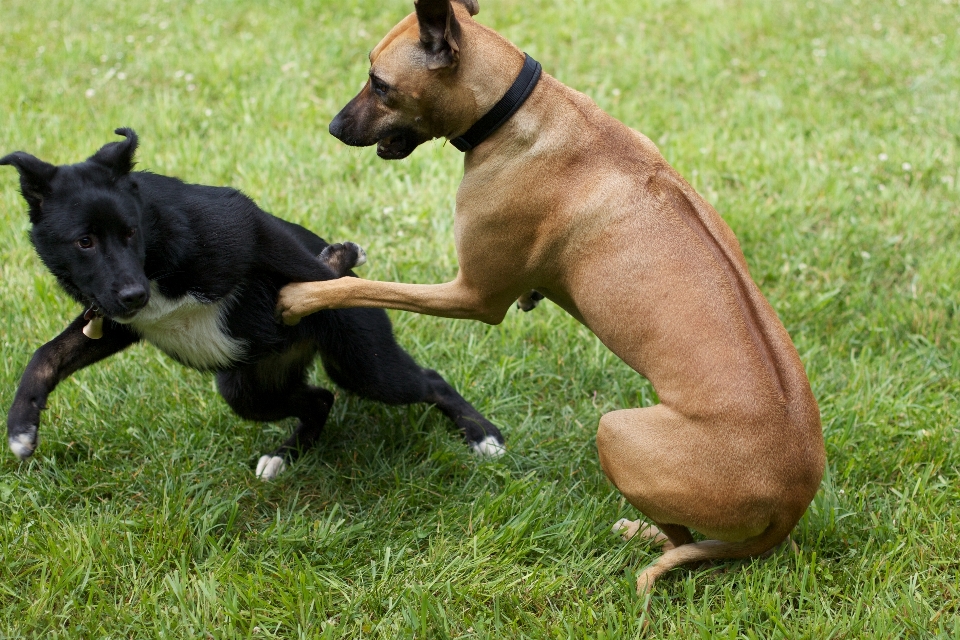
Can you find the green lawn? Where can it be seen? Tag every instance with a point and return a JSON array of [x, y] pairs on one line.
[[826, 133]]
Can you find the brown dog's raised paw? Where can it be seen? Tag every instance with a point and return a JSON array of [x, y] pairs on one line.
[[529, 300], [290, 308]]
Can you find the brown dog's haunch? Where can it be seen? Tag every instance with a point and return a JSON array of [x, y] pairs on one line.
[[565, 200]]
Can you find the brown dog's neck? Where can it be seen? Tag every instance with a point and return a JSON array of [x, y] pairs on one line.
[[488, 66], [512, 100]]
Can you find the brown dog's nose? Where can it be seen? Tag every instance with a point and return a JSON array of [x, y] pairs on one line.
[[336, 126], [353, 125]]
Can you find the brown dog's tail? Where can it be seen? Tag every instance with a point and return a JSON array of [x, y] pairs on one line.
[[711, 550]]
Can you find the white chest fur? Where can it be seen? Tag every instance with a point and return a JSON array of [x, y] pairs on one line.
[[188, 329]]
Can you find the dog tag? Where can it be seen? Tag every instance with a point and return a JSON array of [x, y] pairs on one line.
[[94, 328]]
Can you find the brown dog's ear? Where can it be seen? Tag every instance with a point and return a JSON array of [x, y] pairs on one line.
[[472, 6], [118, 156], [35, 177], [439, 32]]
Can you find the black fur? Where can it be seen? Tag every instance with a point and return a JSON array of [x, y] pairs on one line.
[[118, 240]]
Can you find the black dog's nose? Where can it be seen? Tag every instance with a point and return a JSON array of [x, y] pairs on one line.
[[133, 296]]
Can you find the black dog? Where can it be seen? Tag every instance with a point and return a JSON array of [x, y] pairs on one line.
[[195, 270]]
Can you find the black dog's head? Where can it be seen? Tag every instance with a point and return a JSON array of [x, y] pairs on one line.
[[86, 221]]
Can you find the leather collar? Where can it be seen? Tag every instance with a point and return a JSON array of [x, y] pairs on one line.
[[515, 96]]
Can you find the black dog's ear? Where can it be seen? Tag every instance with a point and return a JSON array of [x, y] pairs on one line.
[[118, 156], [439, 32], [35, 177]]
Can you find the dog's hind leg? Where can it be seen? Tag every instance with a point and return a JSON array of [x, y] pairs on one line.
[[342, 257], [627, 529], [484, 438], [711, 550], [272, 389], [655, 457], [297, 254], [360, 354]]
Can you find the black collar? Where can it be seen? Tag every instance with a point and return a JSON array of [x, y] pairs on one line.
[[514, 97]]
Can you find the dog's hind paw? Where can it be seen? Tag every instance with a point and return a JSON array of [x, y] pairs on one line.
[[269, 467], [342, 257], [489, 447], [361, 255], [629, 528], [626, 528], [24, 443]]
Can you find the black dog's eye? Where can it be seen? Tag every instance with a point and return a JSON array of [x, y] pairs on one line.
[[86, 242], [132, 232], [379, 86]]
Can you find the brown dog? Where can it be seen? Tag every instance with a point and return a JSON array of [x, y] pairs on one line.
[[567, 201]]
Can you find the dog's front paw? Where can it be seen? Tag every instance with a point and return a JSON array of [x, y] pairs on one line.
[[342, 257], [290, 302], [529, 300], [23, 441], [269, 467], [489, 447]]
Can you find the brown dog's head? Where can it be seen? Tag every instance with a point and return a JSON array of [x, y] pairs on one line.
[[414, 92]]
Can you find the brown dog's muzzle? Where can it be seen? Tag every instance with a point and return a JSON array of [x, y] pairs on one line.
[[346, 126], [359, 125]]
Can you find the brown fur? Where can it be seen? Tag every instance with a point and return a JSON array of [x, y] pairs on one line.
[[566, 200]]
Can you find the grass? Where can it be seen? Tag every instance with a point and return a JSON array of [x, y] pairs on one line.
[[826, 133]]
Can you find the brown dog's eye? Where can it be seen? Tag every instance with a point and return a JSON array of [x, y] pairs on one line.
[[379, 86], [86, 242]]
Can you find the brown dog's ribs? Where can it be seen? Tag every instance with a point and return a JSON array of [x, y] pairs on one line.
[[739, 281]]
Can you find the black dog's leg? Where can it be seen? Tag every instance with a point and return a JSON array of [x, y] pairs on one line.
[[343, 257], [360, 354], [275, 388], [52, 363], [286, 250], [482, 436], [357, 346]]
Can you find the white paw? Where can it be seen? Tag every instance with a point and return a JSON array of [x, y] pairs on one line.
[[489, 447], [626, 528], [361, 254], [23, 444], [269, 467]]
